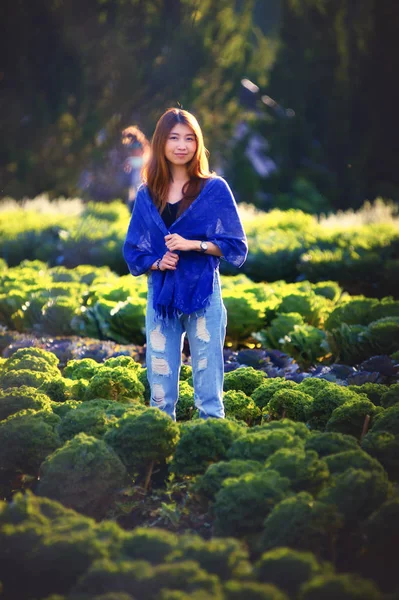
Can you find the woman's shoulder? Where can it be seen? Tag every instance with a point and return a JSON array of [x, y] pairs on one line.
[[218, 185], [143, 187], [216, 182], [142, 192]]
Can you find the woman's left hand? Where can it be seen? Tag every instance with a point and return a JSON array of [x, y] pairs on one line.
[[174, 242]]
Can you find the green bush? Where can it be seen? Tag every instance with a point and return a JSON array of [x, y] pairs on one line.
[[373, 391], [384, 446], [349, 418], [264, 393], [293, 427], [329, 443], [227, 558], [48, 545], [388, 420], [356, 493], [279, 327], [142, 439], [26, 438], [326, 401], [123, 321], [59, 389], [312, 307], [28, 353], [185, 405], [236, 590], [143, 580], [94, 418], [288, 569], [77, 388], [57, 315], [63, 408], [186, 576], [306, 344], [260, 445], [313, 386], [12, 400], [292, 403], [242, 504], [119, 384], [391, 396], [305, 470], [208, 484], [186, 372], [142, 377], [302, 523], [352, 459], [383, 335], [348, 344], [344, 587], [152, 545], [329, 289], [11, 302], [353, 311], [380, 534], [123, 361], [84, 475], [31, 363], [25, 377], [245, 314], [85, 368], [241, 407], [244, 379], [202, 443], [177, 595]]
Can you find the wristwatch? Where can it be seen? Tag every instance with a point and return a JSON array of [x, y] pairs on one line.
[[203, 246]]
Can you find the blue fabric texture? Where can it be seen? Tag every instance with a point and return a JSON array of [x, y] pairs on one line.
[[212, 217]]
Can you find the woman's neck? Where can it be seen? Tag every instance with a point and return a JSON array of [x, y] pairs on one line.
[[179, 174]]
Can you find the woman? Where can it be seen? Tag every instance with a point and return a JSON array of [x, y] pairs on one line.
[[184, 220]]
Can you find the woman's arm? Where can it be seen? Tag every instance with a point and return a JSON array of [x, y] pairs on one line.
[[167, 263], [174, 242]]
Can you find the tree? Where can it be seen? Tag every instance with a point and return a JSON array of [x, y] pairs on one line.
[[328, 69], [112, 63]]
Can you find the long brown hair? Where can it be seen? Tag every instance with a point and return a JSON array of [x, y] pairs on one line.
[[156, 172]]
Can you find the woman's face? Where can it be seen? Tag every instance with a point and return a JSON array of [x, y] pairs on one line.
[[181, 145]]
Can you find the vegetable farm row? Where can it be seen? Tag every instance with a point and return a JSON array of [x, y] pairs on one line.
[[362, 256], [310, 322]]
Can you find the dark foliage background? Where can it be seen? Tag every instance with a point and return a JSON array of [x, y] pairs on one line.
[[74, 73]]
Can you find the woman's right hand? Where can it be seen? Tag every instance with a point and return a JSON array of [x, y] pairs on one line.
[[169, 261]]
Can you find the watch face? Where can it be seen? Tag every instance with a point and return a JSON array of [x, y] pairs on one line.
[[204, 246]]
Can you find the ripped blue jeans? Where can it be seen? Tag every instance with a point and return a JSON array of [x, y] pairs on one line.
[[206, 334]]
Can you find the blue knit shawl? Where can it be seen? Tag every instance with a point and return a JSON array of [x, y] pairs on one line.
[[212, 217]]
